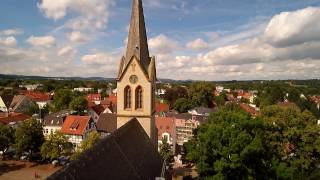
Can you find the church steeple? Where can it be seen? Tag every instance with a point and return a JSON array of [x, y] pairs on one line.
[[137, 40], [136, 80]]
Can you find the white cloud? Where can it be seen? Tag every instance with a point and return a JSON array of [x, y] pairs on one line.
[[67, 51], [262, 50], [161, 44], [77, 36], [54, 9], [292, 28], [11, 32], [8, 41], [41, 41], [99, 59], [197, 44]]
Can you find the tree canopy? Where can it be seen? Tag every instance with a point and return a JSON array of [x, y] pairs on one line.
[[55, 146], [6, 137], [92, 138], [61, 100], [79, 104], [29, 136], [280, 144]]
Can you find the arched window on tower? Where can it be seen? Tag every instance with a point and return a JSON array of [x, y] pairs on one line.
[[127, 97], [139, 97]]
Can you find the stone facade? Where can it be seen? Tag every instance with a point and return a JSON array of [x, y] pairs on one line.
[[145, 115], [137, 77]]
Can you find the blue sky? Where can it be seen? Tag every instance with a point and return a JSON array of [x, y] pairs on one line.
[[203, 40]]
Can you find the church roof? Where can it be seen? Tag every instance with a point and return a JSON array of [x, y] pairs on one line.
[[137, 40], [128, 153], [107, 123]]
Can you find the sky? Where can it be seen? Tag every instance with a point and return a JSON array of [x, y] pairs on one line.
[[199, 40]]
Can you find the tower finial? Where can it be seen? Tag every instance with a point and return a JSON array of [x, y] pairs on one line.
[[137, 40]]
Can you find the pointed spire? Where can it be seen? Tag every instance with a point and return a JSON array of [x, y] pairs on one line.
[[137, 40]]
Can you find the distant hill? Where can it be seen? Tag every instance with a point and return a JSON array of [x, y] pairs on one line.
[[22, 77]]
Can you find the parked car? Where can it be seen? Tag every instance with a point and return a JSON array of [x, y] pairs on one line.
[[63, 160]]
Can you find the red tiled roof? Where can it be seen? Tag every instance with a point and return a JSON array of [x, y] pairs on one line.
[[165, 124], [93, 97], [162, 107], [248, 109], [98, 109], [13, 117], [315, 99], [75, 125], [245, 95], [112, 99], [37, 96]]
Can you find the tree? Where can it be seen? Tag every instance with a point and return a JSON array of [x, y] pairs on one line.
[[33, 108], [201, 94], [182, 105], [92, 138], [165, 151], [293, 141], [55, 146], [61, 100], [172, 94], [229, 146], [281, 143], [6, 137], [79, 104], [29, 136], [221, 99]]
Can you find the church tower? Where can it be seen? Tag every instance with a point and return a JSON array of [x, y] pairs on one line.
[[137, 77]]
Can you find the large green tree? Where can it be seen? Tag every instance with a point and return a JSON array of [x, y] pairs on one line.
[[172, 94], [79, 104], [229, 146], [29, 136], [201, 94], [61, 100], [55, 146], [182, 105], [282, 143], [6, 137], [293, 141]]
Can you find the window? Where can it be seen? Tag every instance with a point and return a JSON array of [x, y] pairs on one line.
[[127, 97], [139, 97]]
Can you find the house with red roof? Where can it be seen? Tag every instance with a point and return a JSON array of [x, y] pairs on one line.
[[111, 99], [95, 111], [166, 130], [249, 109], [162, 107], [42, 99], [94, 98], [12, 117], [110, 104], [76, 128]]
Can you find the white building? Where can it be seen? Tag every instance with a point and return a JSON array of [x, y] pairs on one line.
[[83, 89], [53, 122]]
